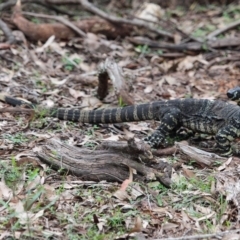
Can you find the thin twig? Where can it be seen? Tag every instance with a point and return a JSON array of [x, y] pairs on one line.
[[60, 19], [134, 22], [221, 30], [222, 59]]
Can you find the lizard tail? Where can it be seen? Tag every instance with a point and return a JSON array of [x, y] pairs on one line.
[[108, 115]]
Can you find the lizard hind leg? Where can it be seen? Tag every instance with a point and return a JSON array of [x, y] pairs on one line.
[[168, 122], [224, 137]]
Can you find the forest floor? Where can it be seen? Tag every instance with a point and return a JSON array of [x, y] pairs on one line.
[[37, 202]]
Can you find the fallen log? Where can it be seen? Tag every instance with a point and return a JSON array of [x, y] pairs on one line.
[[110, 161]]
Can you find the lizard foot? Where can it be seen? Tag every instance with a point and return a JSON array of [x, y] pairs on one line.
[[154, 140]]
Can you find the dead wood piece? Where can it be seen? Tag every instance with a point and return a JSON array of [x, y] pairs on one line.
[[59, 19], [67, 29], [7, 32], [190, 46], [225, 42], [40, 32], [140, 149], [203, 158], [165, 151], [110, 70], [98, 25], [97, 165], [121, 21]]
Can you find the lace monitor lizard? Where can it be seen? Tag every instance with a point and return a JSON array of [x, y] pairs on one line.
[[215, 117]]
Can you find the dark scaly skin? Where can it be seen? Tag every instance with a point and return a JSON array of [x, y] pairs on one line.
[[199, 115]]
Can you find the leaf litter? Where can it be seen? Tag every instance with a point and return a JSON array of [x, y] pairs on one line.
[[39, 202]]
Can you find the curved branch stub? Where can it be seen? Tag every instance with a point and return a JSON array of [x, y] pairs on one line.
[[110, 70]]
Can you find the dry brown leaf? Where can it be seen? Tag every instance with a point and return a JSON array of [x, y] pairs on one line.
[[89, 102], [186, 220], [150, 12], [40, 32], [101, 224], [49, 193], [45, 45], [121, 195], [225, 164], [113, 137], [137, 225], [188, 62], [187, 172], [168, 226], [57, 82], [135, 191], [203, 210], [125, 184], [128, 134], [5, 192], [141, 126], [34, 183], [171, 80], [211, 215], [148, 89]]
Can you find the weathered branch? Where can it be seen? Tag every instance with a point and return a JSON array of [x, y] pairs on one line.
[[111, 162], [203, 158]]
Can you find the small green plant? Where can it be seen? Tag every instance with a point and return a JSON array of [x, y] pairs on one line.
[[32, 198], [93, 233], [13, 174], [173, 159], [120, 102], [199, 32], [35, 20], [91, 130], [17, 138], [70, 64], [116, 220], [221, 208], [42, 85], [143, 49], [32, 174], [191, 162]]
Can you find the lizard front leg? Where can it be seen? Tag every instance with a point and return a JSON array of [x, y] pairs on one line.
[[168, 122]]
